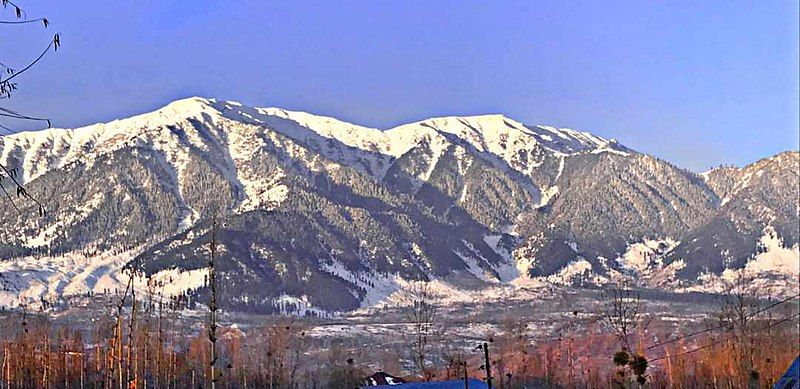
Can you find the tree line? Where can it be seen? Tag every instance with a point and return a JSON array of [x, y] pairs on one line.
[[143, 340]]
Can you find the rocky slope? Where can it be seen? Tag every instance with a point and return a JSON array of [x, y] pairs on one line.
[[322, 215]]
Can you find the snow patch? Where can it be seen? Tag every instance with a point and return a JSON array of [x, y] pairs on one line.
[[507, 270], [579, 270], [774, 257], [176, 281], [34, 280]]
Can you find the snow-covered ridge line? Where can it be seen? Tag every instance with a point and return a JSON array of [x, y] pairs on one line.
[[44, 150], [517, 145]]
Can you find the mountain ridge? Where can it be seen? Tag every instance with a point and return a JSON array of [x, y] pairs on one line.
[[314, 201]]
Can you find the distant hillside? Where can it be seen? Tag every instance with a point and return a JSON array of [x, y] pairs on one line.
[[324, 215]]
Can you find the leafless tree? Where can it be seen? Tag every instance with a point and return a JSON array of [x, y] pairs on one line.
[[621, 312], [131, 347], [622, 316], [427, 327], [737, 308], [737, 304], [212, 304], [8, 86], [9, 83], [117, 341]]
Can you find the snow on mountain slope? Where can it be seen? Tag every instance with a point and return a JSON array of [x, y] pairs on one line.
[[516, 145], [643, 265], [41, 151], [256, 152], [640, 258], [762, 196], [32, 280], [774, 257], [230, 134], [436, 195], [346, 143], [728, 181]]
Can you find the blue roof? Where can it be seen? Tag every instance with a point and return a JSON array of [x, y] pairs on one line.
[[456, 384], [790, 380]]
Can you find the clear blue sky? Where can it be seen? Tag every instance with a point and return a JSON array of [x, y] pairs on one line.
[[697, 83]]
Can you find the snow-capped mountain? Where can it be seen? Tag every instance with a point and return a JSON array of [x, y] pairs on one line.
[[320, 214], [758, 209]]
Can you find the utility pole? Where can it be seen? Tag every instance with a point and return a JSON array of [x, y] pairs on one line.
[[487, 364], [466, 377]]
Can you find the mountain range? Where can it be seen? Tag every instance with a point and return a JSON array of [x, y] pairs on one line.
[[319, 215]]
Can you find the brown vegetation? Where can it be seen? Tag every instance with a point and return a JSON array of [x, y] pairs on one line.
[[149, 350]]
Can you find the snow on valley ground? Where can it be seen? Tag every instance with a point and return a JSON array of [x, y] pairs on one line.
[[549, 312], [470, 315]]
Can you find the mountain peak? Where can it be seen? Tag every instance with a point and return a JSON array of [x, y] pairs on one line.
[[492, 133], [495, 135], [190, 101], [484, 196]]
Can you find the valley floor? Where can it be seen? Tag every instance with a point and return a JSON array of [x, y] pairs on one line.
[[542, 330]]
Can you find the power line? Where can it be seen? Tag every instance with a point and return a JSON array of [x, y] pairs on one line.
[[6, 129], [796, 315], [768, 307]]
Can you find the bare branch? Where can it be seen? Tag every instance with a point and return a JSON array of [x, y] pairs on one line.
[[10, 199], [18, 12], [43, 20], [21, 192], [54, 44]]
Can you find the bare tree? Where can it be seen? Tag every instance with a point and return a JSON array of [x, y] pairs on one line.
[[131, 347], [8, 86], [622, 316], [9, 83], [427, 328], [621, 313], [117, 341], [212, 304], [737, 308], [737, 304]]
